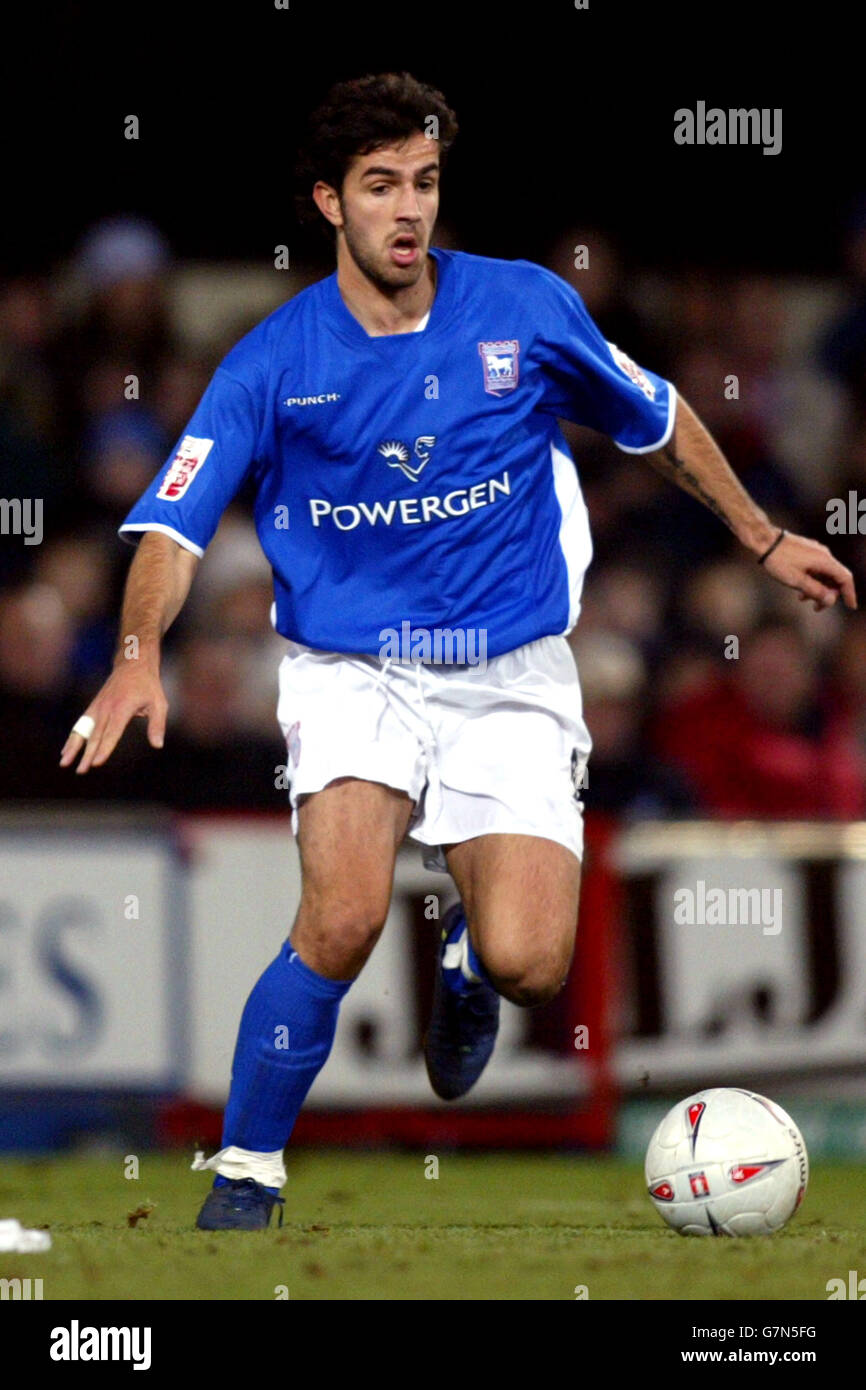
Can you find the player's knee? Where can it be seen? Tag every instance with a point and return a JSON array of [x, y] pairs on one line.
[[524, 980], [534, 988], [340, 933], [356, 926]]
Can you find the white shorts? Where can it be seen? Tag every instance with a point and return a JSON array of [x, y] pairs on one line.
[[495, 750]]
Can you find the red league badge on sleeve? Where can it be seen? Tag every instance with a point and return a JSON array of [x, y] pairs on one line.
[[632, 370], [186, 463]]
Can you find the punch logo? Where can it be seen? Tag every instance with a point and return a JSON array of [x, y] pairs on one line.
[[322, 399], [76, 1343], [737, 126], [184, 466], [500, 364], [396, 455]]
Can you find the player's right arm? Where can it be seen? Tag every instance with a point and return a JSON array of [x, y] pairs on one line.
[[157, 586], [174, 522]]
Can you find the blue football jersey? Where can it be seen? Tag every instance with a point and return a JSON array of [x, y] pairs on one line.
[[416, 478]]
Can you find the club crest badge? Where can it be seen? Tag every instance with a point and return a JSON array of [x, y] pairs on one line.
[[500, 365]]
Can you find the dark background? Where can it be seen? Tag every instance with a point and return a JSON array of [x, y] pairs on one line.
[[706, 260], [565, 116]]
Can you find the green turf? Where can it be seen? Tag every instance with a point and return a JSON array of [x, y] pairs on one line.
[[370, 1226]]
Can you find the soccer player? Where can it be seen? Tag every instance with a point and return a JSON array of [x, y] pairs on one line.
[[428, 537]]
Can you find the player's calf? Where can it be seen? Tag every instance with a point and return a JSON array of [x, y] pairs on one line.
[[521, 895]]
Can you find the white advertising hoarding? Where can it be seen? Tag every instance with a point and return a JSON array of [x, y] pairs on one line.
[[92, 959], [125, 963], [244, 892], [741, 936]]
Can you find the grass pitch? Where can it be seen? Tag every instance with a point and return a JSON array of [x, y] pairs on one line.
[[372, 1226]]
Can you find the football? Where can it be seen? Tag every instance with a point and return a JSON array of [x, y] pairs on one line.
[[726, 1162]]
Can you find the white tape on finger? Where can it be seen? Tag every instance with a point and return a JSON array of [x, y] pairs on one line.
[[84, 726]]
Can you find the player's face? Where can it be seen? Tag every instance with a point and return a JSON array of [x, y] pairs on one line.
[[388, 204]]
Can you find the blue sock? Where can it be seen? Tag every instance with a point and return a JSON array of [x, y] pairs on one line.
[[287, 1029], [220, 1181], [456, 976]]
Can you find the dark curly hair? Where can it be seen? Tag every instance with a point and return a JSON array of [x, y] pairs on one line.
[[359, 116]]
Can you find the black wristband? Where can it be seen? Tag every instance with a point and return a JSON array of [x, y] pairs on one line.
[[781, 536]]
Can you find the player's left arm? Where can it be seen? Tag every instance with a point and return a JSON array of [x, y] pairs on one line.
[[692, 459]]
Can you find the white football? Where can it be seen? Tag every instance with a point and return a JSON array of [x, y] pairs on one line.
[[726, 1162]]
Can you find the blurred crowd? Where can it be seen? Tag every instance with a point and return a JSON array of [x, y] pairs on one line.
[[708, 689]]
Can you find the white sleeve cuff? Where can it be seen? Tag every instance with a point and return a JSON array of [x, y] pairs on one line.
[[669, 427], [166, 531]]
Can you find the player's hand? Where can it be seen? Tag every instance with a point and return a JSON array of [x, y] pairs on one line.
[[808, 566], [130, 690]]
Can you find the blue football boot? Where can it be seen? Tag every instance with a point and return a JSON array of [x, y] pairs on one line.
[[241, 1204], [465, 1020]]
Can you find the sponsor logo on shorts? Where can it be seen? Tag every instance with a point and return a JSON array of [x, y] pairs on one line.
[[579, 775], [184, 467], [499, 360], [293, 743]]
